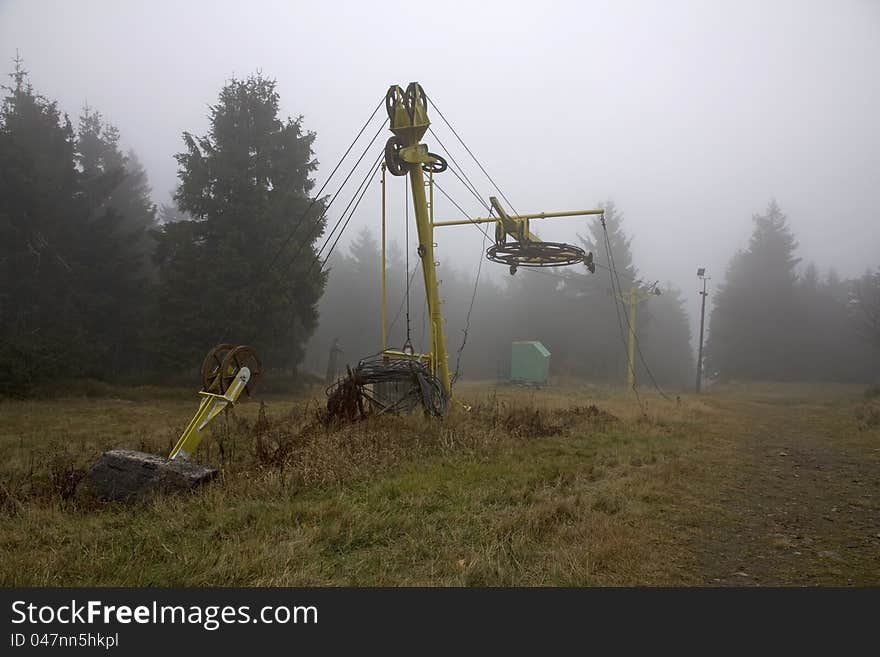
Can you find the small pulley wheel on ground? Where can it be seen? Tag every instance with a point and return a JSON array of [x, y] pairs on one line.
[[211, 366], [241, 356], [396, 166]]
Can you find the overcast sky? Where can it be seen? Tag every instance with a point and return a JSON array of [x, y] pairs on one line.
[[690, 115]]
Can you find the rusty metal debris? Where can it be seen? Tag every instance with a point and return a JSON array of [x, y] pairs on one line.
[[383, 384]]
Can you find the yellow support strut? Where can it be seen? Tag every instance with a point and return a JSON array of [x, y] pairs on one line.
[[210, 407], [632, 299]]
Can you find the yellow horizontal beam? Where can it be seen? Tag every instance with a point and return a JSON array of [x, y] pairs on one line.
[[403, 354], [644, 296], [537, 215]]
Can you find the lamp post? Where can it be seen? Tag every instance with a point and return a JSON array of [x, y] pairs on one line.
[[701, 274]]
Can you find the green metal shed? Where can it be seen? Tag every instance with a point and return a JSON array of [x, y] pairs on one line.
[[529, 362]]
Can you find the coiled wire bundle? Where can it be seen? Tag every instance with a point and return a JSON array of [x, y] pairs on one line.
[[382, 384]]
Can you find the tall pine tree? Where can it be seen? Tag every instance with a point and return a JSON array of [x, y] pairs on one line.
[[126, 189], [39, 208], [243, 268], [666, 340], [605, 327], [756, 312], [69, 276]]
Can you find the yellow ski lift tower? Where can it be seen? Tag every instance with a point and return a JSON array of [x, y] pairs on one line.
[[632, 298], [515, 245]]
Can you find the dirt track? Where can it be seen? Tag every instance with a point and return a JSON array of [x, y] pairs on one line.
[[799, 504]]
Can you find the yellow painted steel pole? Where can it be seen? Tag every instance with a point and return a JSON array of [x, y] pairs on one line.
[[431, 197], [631, 372], [632, 299], [210, 407], [408, 113], [429, 272], [430, 184], [384, 292]]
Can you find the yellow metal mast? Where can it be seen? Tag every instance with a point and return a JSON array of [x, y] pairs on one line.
[[631, 372], [405, 155], [384, 294], [632, 299]]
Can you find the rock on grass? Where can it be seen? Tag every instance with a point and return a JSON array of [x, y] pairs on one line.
[[123, 474]]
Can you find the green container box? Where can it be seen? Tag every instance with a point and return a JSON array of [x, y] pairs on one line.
[[529, 362]]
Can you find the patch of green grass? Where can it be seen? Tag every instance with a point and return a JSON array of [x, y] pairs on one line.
[[531, 514], [526, 488]]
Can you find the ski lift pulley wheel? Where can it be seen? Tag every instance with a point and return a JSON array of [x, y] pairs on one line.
[[235, 359], [211, 366], [396, 166], [394, 95], [414, 95], [222, 364], [536, 254]]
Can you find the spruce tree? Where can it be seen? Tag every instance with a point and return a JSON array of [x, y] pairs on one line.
[[603, 351], [69, 281], [40, 214], [666, 340], [756, 313], [243, 269], [119, 180]]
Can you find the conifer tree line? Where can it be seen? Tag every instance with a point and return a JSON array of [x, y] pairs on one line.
[[775, 318], [96, 281]]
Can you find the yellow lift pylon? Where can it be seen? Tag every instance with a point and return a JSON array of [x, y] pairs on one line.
[[515, 245], [632, 298]]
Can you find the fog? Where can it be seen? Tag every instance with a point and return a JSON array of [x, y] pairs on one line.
[[691, 116]]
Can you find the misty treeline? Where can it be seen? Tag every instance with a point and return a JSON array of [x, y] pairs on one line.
[[775, 319], [97, 281], [74, 250]]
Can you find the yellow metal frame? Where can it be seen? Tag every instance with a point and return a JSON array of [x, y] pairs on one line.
[[633, 298], [210, 408], [409, 129]]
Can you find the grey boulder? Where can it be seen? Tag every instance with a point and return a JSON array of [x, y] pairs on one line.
[[123, 474]]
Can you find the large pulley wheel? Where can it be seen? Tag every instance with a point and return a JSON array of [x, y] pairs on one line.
[[236, 358], [392, 98], [211, 366], [396, 166], [536, 254], [415, 95]]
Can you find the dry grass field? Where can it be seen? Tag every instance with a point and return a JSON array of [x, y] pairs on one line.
[[759, 484]]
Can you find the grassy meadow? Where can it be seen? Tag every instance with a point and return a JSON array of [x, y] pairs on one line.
[[758, 484]]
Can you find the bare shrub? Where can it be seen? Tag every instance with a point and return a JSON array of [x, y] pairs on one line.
[[868, 415], [64, 477]]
